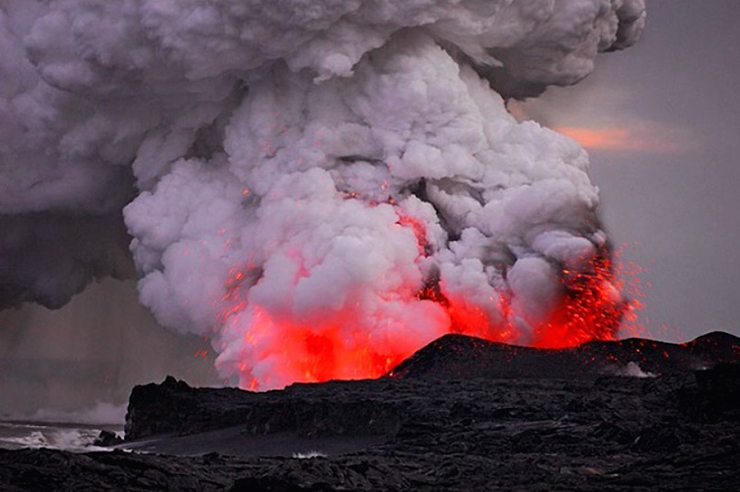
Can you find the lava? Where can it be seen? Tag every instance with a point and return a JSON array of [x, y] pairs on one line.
[[286, 351], [334, 345], [296, 352]]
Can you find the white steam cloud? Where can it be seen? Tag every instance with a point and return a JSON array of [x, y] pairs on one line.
[[294, 166]]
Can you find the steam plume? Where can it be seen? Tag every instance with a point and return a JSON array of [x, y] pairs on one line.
[[321, 187]]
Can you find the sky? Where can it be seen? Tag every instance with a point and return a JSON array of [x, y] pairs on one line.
[[660, 122], [92, 350]]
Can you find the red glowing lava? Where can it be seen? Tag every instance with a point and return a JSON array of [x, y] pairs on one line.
[[336, 344], [592, 309], [314, 354]]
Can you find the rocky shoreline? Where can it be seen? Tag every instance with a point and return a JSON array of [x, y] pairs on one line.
[[461, 414]]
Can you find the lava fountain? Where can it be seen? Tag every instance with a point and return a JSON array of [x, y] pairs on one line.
[[324, 187]]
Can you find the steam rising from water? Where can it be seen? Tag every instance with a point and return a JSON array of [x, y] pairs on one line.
[[321, 187]]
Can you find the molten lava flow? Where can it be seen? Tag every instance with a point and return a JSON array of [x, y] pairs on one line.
[[277, 351], [336, 345], [320, 352], [296, 352]]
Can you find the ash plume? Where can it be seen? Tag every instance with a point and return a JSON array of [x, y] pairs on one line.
[[320, 187]]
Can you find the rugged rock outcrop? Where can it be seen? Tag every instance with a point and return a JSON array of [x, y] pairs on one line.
[[461, 414], [462, 357]]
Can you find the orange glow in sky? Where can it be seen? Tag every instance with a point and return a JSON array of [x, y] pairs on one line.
[[622, 139], [603, 138]]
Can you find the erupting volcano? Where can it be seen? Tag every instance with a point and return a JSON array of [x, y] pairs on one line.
[[336, 347], [322, 187]]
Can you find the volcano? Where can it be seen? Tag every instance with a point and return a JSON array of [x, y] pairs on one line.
[[336, 196], [460, 414], [318, 188]]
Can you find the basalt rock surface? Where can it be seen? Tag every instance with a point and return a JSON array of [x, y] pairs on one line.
[[461, 414]]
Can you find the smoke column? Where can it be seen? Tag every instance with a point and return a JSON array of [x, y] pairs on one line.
[[321, 187]]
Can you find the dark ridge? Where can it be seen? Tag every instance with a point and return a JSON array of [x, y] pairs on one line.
[[718, 341], [464, 357], [373, 407]]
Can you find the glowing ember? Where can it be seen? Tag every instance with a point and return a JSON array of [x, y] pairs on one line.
[[592, 309]]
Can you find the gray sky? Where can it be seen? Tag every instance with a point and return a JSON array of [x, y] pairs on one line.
[[661, 123]]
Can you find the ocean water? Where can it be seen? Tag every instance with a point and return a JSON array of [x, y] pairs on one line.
[[63, 436]]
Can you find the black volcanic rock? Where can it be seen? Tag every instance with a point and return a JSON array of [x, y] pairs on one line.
[[378, 407], [461, 414], [463, 357], [170, 408], [334, 408], [107, 439], [716, 396]]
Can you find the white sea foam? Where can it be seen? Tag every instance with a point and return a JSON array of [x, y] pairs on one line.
[[309, 455], [51, 436]]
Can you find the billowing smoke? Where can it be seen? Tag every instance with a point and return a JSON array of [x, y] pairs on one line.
[[319, 186]]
